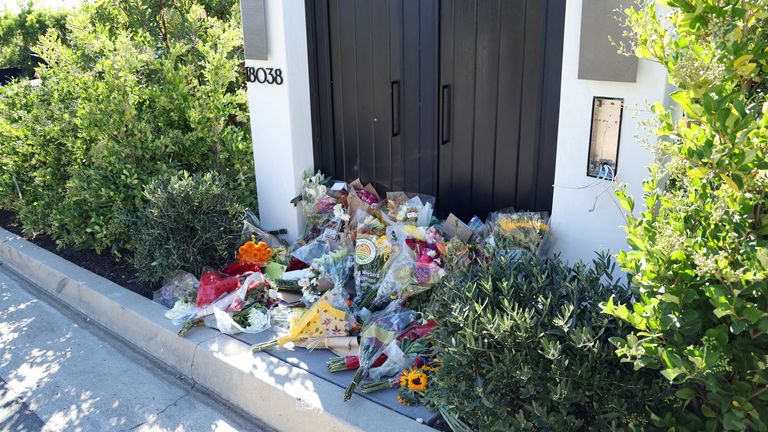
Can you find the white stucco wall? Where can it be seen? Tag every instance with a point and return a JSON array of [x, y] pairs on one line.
[[281, 119], [576, 231]]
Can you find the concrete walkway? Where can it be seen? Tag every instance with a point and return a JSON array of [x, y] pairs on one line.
[[60, 372]]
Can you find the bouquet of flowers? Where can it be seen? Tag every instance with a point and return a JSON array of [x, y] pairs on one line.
[[398, 274], [228, 300], [404, 209], [376, 336], [330, 270], [414, 384], [247, 315], [329, 316], [252, 252], [401, 354], [181, 288], [372, 250], [518, 231], [415, 267], [317, 205], [352, 362]]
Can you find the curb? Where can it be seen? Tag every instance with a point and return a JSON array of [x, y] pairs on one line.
[[279, 394]]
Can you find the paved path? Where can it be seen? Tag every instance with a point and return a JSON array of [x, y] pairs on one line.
[[60, 372]]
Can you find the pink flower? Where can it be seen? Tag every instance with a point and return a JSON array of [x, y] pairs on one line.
[[367, 197]]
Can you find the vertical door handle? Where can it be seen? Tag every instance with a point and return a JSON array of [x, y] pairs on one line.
[[395, 108], [445, 114]]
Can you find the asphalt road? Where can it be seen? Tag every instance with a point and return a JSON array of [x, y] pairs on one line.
[[61, 372]]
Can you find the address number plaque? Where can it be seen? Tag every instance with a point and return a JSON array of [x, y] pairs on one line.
[[264, 75]]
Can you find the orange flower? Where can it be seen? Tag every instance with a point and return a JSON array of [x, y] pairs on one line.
[[253, 253]]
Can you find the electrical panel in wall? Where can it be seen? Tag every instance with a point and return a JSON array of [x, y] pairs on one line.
[[605, 135]]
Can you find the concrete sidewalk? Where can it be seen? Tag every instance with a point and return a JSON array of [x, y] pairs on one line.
[[60, 372]]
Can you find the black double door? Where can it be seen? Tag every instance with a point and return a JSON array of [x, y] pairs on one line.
[[453, 98]]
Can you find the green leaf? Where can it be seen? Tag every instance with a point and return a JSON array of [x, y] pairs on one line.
[[699, 172], [685, 393], [737, 326], [671, 374]]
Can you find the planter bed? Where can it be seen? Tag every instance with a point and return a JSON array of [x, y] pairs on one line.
[[103, 264]]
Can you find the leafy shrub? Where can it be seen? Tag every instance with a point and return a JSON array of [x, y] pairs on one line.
[[699, 249], [19, 33], [117, 107], [525, 347], [188, 222]]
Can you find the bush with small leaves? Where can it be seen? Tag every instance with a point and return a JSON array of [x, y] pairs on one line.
[[525, 347], [143, 88], [189, 222]]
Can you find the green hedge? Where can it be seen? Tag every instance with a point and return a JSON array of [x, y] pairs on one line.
[[142, 89], [698, 246], [525, 347], [19, 33]]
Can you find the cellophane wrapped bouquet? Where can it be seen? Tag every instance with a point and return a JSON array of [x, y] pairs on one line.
[[329, 271], [521, 231], [372, 250], [383, 328], [329, 316]]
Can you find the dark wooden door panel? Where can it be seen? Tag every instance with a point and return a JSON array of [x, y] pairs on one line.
[[455, 98], [381, 78], [498, 60]]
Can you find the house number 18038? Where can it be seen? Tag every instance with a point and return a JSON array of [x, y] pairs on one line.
[[264, 75]]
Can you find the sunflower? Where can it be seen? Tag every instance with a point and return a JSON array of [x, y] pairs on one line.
[[417, 381]]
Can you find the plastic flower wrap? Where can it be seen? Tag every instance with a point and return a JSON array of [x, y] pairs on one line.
[[228, 300], [251, 319], [372, 250], [182, 287], [316, 204], [352, 362], [457, 255], [397, 275], [252, 230], [384, 328], [330, 270], [401, 354], [329, 316], [325, 205], [412, 210], [518, 231], [213, 285]]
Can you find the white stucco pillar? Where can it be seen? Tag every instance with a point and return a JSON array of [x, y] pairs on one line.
[[281, 122]]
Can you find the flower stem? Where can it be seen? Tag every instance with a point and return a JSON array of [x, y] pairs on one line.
[[355, 381], [189, 325], [264, 346], [375, 386], [337, 364]]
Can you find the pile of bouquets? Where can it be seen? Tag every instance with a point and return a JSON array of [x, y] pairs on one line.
[[353, 283]]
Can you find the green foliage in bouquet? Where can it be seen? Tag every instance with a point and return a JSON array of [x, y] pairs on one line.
[[19, 33], [699, 246], [143, 88], [525, 347], [189, 222]]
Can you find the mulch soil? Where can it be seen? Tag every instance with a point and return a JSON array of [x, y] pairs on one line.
[[104, 264]]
